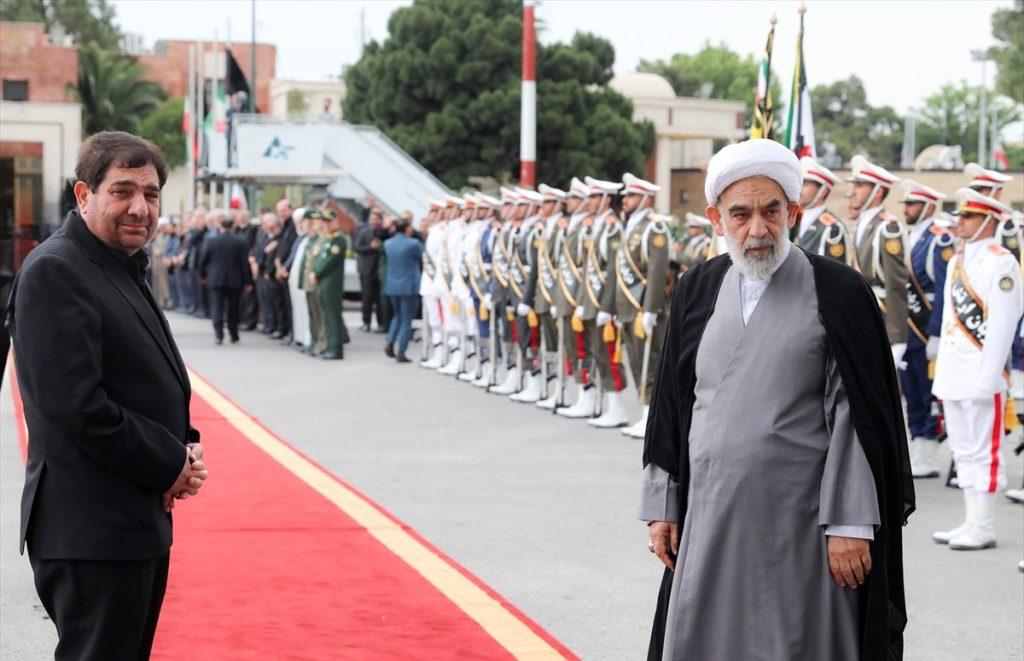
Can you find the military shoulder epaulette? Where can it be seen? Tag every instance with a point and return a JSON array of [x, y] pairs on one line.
[[834, 233], [828, 219], [998, 249], [887, 217], [891, 229], [944, 238]]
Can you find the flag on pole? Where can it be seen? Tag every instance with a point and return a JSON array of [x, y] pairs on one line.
[[761, 126], [999, 158], [800, 123]]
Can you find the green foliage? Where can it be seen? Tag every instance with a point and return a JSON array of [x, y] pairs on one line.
[[297, 103], [112, 91], [88, 21], [844, 118], [445, 86], [1008, 30], [163, 127], [956, 106], [730, 76]]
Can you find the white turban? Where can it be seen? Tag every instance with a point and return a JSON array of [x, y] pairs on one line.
[[754, 158]]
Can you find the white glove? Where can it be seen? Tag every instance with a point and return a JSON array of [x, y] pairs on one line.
[[932, 350], [578, 311], [648, 321], [897, 355], [603, 319], [488, 302], [523, 309]]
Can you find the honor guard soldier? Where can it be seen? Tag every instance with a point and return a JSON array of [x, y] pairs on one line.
[[501, 290], [473, 280], [695, 245], [819, 231], [526, 243], [458, 302], [879, 248], [434, 302], [481, 272], [641, 277], [329, 277], [577, 341], [931, 248], [983, 305], [603, 241], [317, 341], [547, 291], [991, 183]]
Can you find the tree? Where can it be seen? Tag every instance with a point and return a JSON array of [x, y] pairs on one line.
[[163, 127], [297, 103], [88, 21], [950, 117], [845, 120], [1008, 30], [721, 73], [112, 91], [445, 86]]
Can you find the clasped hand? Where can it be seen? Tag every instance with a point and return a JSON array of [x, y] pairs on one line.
[[191, 478]]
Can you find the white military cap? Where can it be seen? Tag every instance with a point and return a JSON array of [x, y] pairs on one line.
[[944, 220], [298, 213], [815, 171], [469, 200], [529, 196], [578, 189], [508, 196], [661, 218], [982, 178], [633, 185], [969, 200], [698, 220], [915, 192], [452, 201], [753, 158], [551, 194], [436, 204], [488, 201], [864, 171], [601, 187]]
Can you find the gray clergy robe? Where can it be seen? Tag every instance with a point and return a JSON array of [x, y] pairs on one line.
[[774, 460]]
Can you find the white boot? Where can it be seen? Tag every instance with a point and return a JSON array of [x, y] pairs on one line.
[[614, 415], [551, 401], [486, 374], [510, 385], [1016, 495], [435, 360], [922, 462], [585, 406], [944, 537], [1016, 384], [470, 366], [454, 365], [639, 428], [532, 390], [982, 534]]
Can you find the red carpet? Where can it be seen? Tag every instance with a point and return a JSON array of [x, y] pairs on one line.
[[265, 567]]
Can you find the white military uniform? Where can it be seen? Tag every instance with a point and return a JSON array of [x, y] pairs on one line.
[[432, 284], [457, 292], [982, 306]]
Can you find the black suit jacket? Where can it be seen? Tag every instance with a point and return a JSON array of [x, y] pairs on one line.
[[225, 263], [106, 400], [367, 258]]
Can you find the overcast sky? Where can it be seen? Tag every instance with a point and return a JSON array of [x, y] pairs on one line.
[[902, 50]]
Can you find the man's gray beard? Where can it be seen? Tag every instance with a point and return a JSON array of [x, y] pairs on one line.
[[754, 267]]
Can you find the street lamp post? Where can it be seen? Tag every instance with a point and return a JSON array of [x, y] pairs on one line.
[[982, 56]]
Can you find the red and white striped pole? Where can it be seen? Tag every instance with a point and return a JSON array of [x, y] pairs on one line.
[[528, 109]]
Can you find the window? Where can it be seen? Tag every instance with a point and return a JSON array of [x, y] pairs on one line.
[[15, 90]]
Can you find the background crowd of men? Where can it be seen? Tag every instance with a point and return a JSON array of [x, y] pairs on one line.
[[530, 293]]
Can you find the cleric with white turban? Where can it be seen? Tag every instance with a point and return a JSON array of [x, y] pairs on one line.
[[786, 518]]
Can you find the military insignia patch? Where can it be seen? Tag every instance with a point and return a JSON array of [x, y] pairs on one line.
[[658, 240], [946, 254], [893, 246], [1006, 283], [538, 244], [335, 250], [836, 250]]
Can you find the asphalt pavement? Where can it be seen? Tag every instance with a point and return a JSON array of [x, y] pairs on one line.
[[540, 508]]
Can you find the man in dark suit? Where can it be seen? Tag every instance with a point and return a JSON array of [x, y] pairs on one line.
[[402, 285], [106, 400], [279, 277], [249, 306], [366, 243], [224, 269]]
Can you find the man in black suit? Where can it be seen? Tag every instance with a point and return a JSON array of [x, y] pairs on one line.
[[279, 279], [224, 269], [249, 305], [106, 400], [366, 243]]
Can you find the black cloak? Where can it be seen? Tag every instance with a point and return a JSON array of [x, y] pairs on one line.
[[856, 339]]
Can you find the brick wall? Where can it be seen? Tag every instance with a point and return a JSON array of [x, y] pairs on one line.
[[175, 50], [27, 54]]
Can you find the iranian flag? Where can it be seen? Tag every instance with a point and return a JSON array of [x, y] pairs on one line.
[[761, 126], [800, 124]]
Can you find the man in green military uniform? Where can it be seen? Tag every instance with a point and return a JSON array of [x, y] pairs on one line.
[[641, 273], [316, 316], [329, 277]]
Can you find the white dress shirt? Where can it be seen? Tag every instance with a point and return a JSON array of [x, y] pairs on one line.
[[863, 220]]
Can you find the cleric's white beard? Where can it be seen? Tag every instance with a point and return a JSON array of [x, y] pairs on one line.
[[755, 267]]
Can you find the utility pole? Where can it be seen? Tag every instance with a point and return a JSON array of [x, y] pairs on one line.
[[528, 107], [982, 56]]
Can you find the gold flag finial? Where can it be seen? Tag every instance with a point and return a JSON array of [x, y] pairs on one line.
[[775, 19], [802, 9]]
